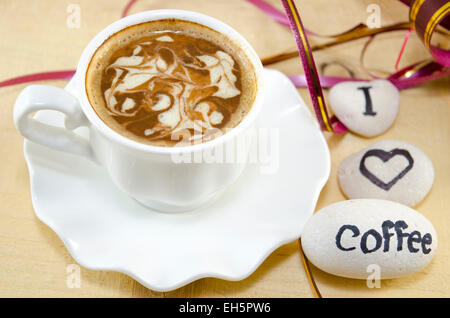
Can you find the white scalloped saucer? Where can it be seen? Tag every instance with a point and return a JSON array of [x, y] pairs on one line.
[[104, 229]]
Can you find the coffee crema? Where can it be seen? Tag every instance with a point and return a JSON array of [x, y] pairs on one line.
[[163, 81]]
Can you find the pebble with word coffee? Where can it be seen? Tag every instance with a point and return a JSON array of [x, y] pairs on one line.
[[241, 150]]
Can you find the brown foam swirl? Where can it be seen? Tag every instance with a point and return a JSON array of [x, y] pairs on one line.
[[168, 83]]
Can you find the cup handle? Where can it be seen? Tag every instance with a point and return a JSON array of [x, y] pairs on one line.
[[42, 97]]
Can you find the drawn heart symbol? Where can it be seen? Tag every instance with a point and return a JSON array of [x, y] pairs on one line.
[[385, 156]]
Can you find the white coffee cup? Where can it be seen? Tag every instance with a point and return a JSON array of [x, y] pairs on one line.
[[147, 173]]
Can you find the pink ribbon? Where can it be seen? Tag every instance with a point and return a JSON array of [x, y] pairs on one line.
[[276, 14], [128, 7], [271, 11], [311, 76], [299, 80], [57, 75]]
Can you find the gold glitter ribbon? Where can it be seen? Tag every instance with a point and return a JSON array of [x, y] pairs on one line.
[[437, 16], [312, 77], [308, 271]]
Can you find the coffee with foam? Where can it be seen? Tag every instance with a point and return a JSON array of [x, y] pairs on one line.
[[164, 81]]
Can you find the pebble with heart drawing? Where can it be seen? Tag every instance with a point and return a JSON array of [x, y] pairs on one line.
[[391, 170]]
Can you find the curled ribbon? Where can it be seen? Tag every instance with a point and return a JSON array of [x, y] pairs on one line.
[[425, 16], [312, 78], [57, 75]]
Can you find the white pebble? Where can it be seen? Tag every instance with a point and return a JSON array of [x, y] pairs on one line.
[[366, 108], [366, 237], [391, 170]]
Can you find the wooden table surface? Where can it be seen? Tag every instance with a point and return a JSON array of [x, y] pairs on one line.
[[35, 37]]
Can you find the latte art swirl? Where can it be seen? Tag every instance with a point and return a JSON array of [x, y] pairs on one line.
[[170, 85], [187, 89]]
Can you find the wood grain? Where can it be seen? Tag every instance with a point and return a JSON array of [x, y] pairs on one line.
[[35, 37]]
